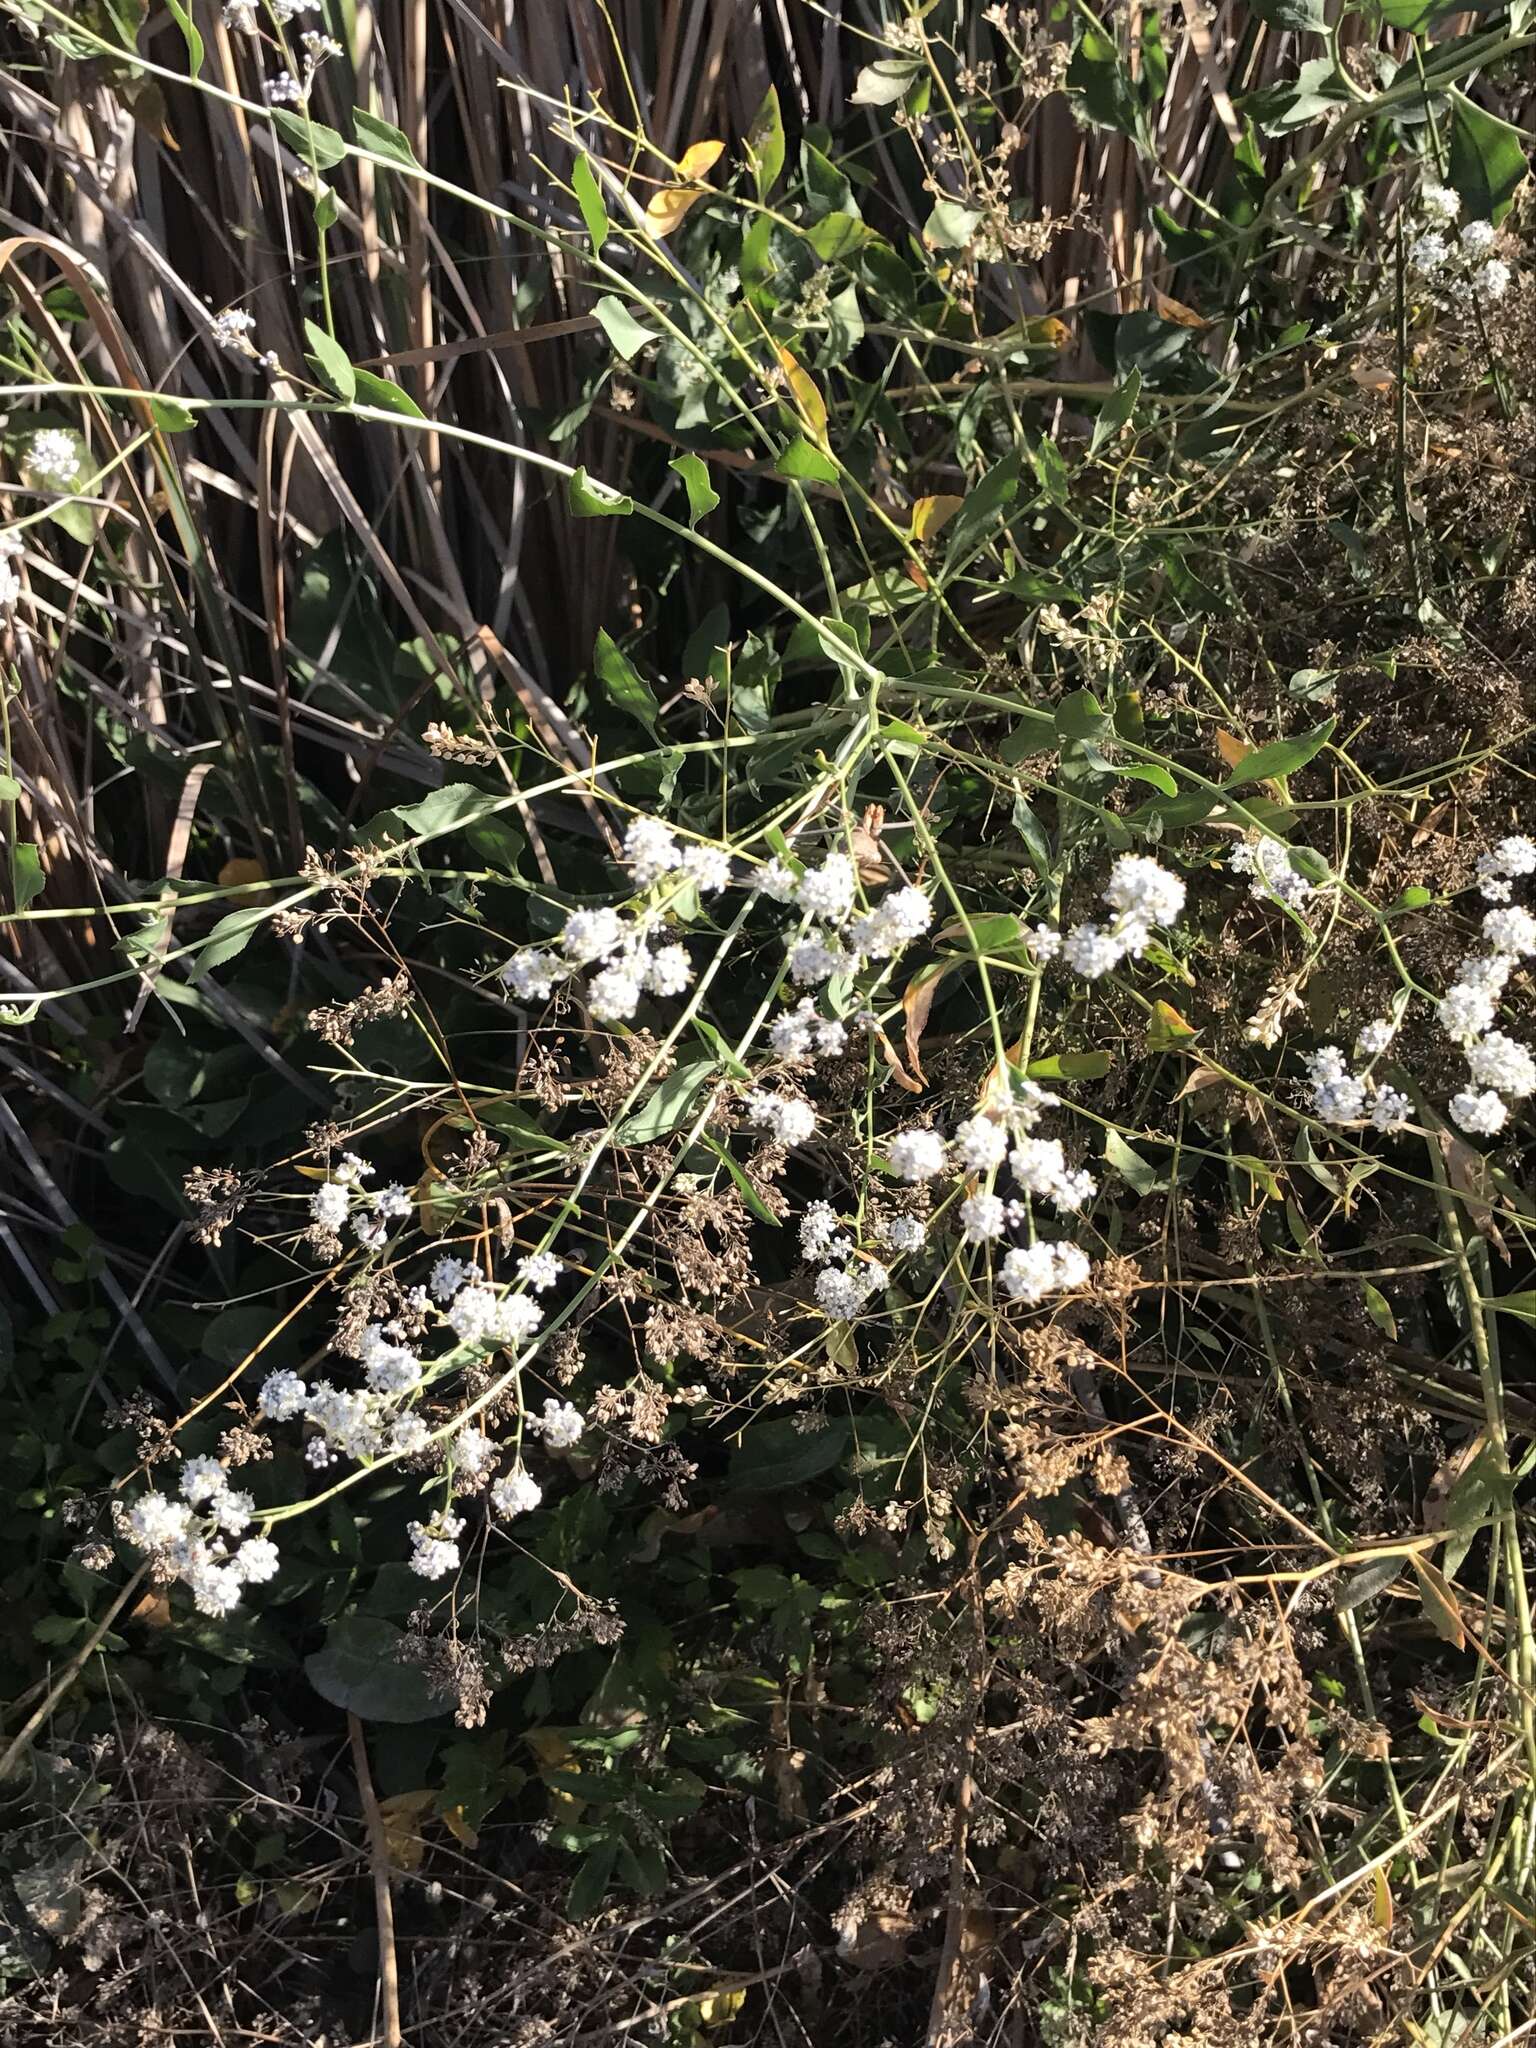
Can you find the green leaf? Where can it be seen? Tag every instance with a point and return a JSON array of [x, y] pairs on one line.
[[590, 499], [765, 144], [229, 937], [311, 140], [1079, 715], [384, 139], [950, 225], [803, 460], [170, 415], [702, 495], [1280, 757], [1138, 1174], [590, 200], [359, 1669], [623, 330], [444, 810], [773, 1455], [1487, 159], [332, 360], [982, 508], [1523, 1305], [1034, 732], [27, 878], [1070, 1066], [744, 1187], [885, 81], [1115, 412], [1101, 81], [189, 35], [669, 1107], [1366, 1583], [838, 235], [388, 397], [590, 1883], [624, 683]]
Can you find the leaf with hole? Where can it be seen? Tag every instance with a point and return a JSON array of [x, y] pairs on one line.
[[591, 499]]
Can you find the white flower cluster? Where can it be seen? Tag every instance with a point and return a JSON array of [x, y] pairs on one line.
[[802, 1034], [53, 457], [241, 15], [192, 1539], [343, 1199], [1272, 875], [1496, 871], [1142, 895], [628, 963], [232, 330], [788, 1119], [843, 938], [1457, 265], [979, 1147], [1340, 1097], [1502, 1070]]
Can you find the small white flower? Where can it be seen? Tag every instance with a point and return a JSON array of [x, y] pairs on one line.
[[817, 958], [1511, 931], [652, 851], [1479, 1114], [155, 1523], [1492, 278], [540, 1271], [1478, 238], [282, 1396], [1375, 1037], [1091, 951], [1516, 855], [561, 1425], [215, 1589], [916, 1155], [668, 971], [827, 892], [1502, 1063], [408, 1434], [902, 1233], [531, 975], [707, 867], [983, 1217], [840, 1294], [448, 1276], [777, 881], [1390, 1109], [1465, 1012], [789, 1118], [256, 1561], [1044, 942], [201, 1479], [517, 1494], [613, 994], [980, 1144], [434, 1545], [1338, 1096], [328, 1205], [591, 935], [1144, 890], [1438, 202], [818, 1232], [53, 456], [390, 1369], [232, 1512], [472, 1450], [1429, 253], [285, 91], [1030, 1272], [515, 1319]]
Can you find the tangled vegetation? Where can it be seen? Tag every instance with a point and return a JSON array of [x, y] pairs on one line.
[[767, 1151]]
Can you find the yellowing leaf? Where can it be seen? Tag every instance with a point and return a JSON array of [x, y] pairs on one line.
[[555, 1754], [1167, 1027], [716, 2007], [1231, 748], [237, 873], [929, 515], [453, 1820], [1439, 1602], [811, 405], [402, 1816], [1381, 1904], [700, 157], [1175, 311], [1047, 332], [666, 208]]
